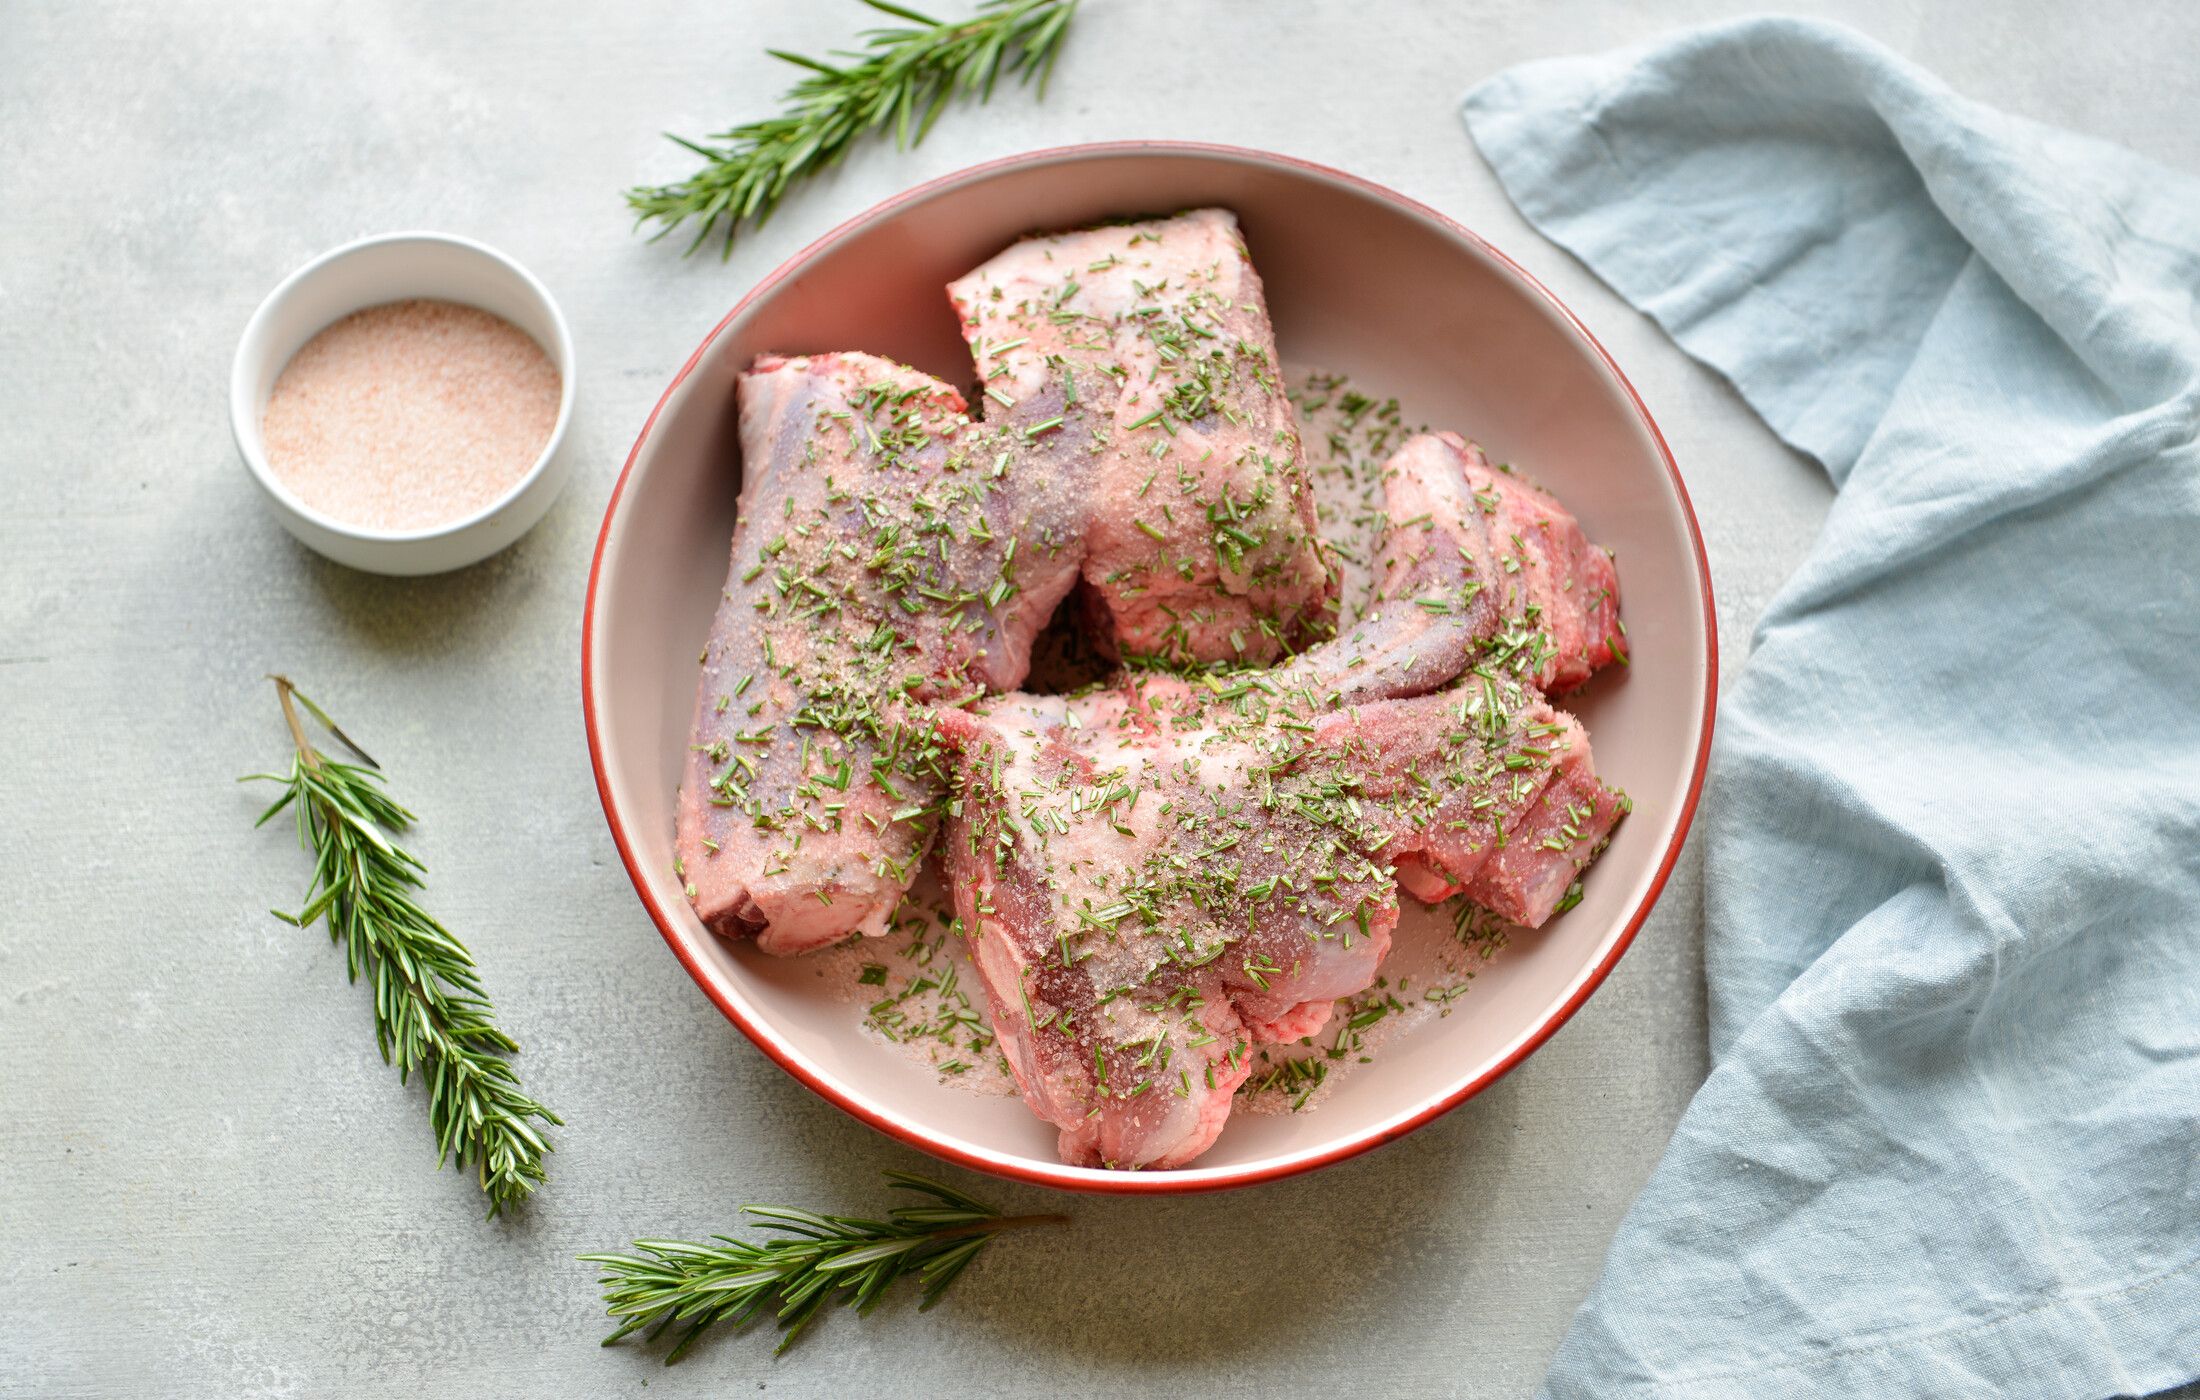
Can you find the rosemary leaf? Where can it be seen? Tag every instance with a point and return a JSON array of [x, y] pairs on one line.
[[904, 78], [430, 1013]]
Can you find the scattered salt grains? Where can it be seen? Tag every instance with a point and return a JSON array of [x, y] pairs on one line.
[[1346, 438], [917, 993], [410, 415]]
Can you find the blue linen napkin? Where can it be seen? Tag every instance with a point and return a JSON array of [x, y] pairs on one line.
[[1950, 1145]]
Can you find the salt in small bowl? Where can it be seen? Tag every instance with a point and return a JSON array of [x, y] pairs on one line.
[[371, 272]]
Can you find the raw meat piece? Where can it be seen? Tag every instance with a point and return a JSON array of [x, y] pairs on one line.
[[880, 563], [1201, 539], [1466, 572], [1088, 1066], [1143, 909]]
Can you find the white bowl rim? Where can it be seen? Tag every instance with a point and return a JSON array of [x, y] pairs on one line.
[[244, 425], [1187, 1180]]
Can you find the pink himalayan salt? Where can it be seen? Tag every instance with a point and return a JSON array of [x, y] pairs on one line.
[[410, 415]]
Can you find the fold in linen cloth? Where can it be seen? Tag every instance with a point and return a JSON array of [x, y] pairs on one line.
[[1950, 1144]]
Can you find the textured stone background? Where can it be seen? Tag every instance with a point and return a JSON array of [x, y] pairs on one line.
[[208, 1185]]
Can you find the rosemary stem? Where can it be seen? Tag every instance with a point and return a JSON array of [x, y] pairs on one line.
[[283, 689], [995, 1226]]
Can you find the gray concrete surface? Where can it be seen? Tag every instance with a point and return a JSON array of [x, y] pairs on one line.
[[208, 1185]]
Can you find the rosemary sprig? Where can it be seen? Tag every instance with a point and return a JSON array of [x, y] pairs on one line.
[[429, 1010], [905, 79], [821, 1259]]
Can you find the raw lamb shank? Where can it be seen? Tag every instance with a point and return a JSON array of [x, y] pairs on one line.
[[1200, 539], [880, 565]]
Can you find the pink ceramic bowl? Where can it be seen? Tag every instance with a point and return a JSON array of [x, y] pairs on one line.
[[1360, 280]]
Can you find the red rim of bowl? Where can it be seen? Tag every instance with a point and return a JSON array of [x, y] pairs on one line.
[[1157, 1183]]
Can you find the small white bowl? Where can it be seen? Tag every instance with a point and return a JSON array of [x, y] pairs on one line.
[[373, 271]]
